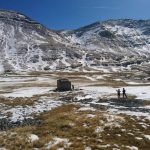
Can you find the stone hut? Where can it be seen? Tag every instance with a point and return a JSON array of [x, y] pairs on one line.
[[63, 85]]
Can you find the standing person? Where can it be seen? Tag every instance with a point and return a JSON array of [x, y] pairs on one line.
[[118, 93], [72, 87], [124, 93]]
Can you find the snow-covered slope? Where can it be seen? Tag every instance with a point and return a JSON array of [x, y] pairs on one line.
[[116, 41], [26, 45]]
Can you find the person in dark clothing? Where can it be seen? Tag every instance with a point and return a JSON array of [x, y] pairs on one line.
[[118, 93], [124, 93], [72, 87]]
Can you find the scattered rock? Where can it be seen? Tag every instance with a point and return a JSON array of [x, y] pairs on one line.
[[6, 124]]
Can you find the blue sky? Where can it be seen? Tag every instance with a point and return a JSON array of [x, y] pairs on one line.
[[71, 14]]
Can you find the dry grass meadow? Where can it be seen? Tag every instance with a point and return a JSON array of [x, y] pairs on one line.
[[86, 129], [95, 129]]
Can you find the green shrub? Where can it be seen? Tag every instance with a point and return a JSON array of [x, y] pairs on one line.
[[107, 34]]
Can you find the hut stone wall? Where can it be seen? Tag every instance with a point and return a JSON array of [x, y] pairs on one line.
[[63, 85]]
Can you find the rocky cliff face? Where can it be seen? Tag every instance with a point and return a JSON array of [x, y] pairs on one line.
[[26, 45]]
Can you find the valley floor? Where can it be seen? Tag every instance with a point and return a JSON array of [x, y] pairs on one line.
[[33, 116]]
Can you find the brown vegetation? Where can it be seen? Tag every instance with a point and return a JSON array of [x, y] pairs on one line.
[[77, 126]]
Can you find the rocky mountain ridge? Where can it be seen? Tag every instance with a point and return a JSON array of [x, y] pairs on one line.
[[26, 45]]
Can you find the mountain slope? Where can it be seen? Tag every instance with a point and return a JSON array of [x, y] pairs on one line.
[[114, 42], [26, 45]]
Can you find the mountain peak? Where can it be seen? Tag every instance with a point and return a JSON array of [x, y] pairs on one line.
[[13, 15]]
